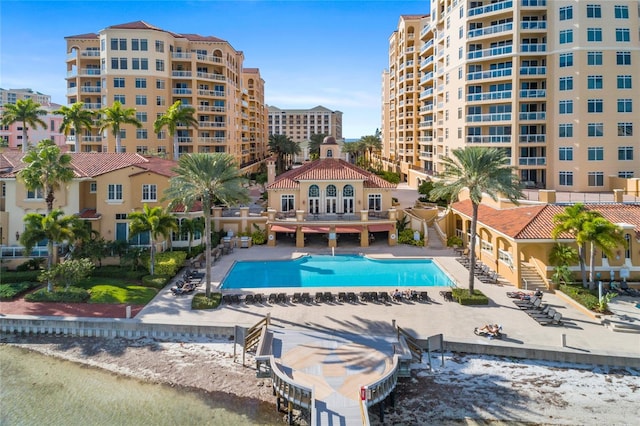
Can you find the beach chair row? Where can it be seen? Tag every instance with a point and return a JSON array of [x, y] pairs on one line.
[[324, 297], [544, 314]]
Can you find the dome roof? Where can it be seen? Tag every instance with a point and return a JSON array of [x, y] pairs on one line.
[[329, 140]]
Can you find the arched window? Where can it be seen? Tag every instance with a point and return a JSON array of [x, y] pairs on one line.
[[331, 199], [314, 191], [329, 153], [348, 200], [314, 199]]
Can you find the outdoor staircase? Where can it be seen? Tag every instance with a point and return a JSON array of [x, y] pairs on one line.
[[531, 279]]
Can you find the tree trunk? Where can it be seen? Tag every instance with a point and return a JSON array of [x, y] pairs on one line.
[[207, 249], [49, 264], [583, 266], [118, 147], [175, 148], [25, 140], [472, 249], [153, 257], [592, 267]]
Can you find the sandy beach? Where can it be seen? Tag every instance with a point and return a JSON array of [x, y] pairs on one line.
[[468, 389]]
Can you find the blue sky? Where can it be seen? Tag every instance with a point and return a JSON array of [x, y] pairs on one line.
[[314, 52]]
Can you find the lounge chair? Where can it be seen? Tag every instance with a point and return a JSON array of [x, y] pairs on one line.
[[351, 297], [527, 304], [273, 298], [328, 297], [628, 291], [295, 298], [342, 296], [424, 296], [549, 313], [319, 297], [384, 297], [282, 298], [258, 298], [226, 298], [365, 296], [235, 298], [248, 299], [556, 320], [447, 295], [374, 297], [305, 298]]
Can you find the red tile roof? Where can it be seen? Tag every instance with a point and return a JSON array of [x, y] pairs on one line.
[[159, 166], [89, 214], [328, 169], [536, 222]]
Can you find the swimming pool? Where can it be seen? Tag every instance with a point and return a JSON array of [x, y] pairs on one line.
[[335, 271]]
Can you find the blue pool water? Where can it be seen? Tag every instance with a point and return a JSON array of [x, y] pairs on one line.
[[336, 271]]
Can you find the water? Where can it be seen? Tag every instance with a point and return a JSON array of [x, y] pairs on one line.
[[40, 390], [336, 271]]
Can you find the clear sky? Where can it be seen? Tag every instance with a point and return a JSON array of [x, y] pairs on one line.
[[313, 52]]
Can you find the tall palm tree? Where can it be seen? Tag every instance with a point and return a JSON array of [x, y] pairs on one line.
[[206, 178], [27, 112], [55, 228], [371, 144], [176, 115], [603, 235], [352, 149], [114, 117], [314, 144], [572, 221], [192, 227], [483, 172], [75, 117], [47, 168], [284, 148], [157, 222]]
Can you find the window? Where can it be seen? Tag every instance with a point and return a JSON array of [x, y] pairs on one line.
[[565, 178], [594, 11], [159, 65], [160, 84], [141, 116], [626, 174], [139, 44], [149, 193], [141, 134], [114, 192], [594, 82], [625, 105], [141, 83], [596, 179], [566, 83], [565, 153], [142, 149], [621, 12], [93, 187], [159, 46], [36, 194], [119, 98], [118, 82], [141, 99], [566, 107], [625, 153], [118, 44], [566, 36], [595, 105], [624, 82], [566, 60], [623, 34], [375, 202], [287, 202], [594, 58], [594, 34], [623, 58], [595, 130], [595, 153], [566, 13], [565, 130], [625, 129]]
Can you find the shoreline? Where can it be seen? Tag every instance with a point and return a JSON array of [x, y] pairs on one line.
[[469, 389]]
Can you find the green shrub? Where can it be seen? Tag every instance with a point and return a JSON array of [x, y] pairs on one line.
[[584, 296], [16, 277], [114, 271], [200, 301], [462, 296], [34, 264], [9, 291], [155, 281], [167, 263], [454, 240], [70, 295], [258, 237], [406, 237]]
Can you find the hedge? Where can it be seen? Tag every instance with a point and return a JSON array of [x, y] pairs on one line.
[[464, 298], [155, 281], [167, 263], [70, 295], [9, 291], [584, 296], [200, 301], [17, 277]]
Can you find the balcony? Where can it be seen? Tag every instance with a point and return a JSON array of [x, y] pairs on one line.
[[535, 116], [207, 139], [210, 124], [536, 93], [182, 91], [533, 70], [426, 61], [480, 118], [533, 25], [534, 3], [214, 93], [493, 51], [90, 89], [428, 76], [482, 75], [86, 72], [489, 139], [532, 138], [532, 161], [210, 76], [426, 154], [181, 74], [494, 29], [486, 96], [426, 47], [426, 108], [425, 139], [533, 47], [185, 139], [426, 93], [91, 106], [426, 124], [491, 8], [208, 108]]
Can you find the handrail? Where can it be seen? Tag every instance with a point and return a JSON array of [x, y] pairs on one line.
[[253, 334], [412, 344], [380, 389]]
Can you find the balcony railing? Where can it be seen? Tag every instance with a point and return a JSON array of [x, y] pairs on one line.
[[534, 3], [533, 47], [477, 118], [485, 96], [90, 89], [215, 93], [532, 116], [489, 139], [210, 76], [182, 74], [491, 8], [91, 106], [532, 161], [535, 93], [532, 138], [205, 140], [425, 139], [481, 75], [533, 25], [210, 124], [184, 91], [533, 70], [208, 108], [494, 29], [426, 108], [493, 51]]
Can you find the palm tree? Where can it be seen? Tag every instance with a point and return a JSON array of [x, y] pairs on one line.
[[157, 222], [603, 235], [192, 227], [47, 168], [206, 178], [75, 117], [55, 228], [283, 147], [27, 112], [561, 256], [114, 117], [572, 221], [370, 144], [176, 115], [482, 171], [351, 148], [314, 145]]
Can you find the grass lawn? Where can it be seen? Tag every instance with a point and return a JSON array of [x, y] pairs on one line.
[[113, 290]]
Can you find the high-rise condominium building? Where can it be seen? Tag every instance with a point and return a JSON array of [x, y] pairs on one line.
[[300, 124], [553, 83], [148, 69]]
